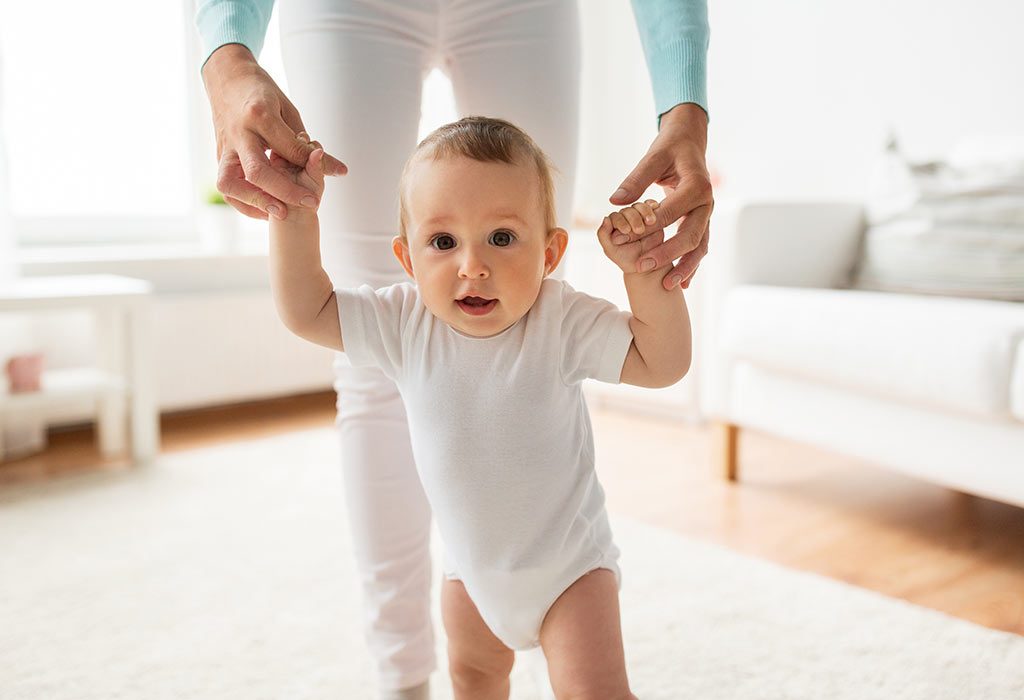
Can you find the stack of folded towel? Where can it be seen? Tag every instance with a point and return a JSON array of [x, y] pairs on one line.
[[953, 227]]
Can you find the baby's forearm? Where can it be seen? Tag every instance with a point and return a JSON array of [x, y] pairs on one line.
[[300, 285], [660, 325]]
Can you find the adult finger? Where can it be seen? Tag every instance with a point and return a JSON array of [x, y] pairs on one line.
[[651, 168], [332, 166], [231, 182], [687, 266], [281, 139], [688, 237], [685, 197], [255, 200], [259, 172], [277, 162], [244, 208], [688, 280]]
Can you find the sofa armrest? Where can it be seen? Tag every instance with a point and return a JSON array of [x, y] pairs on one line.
[[788, 244]]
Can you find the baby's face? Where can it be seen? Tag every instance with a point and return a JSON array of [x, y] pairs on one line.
[[477, 245]]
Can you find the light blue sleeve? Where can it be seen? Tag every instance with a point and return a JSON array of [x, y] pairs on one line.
[[233, 22], [675, 35]]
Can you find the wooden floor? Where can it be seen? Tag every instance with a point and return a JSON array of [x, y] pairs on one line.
[[794, 505]]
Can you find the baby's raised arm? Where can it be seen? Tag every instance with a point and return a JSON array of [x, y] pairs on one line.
[[661, 350], [303, 292]]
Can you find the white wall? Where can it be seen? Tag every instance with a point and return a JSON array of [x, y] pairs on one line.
[[803, 92]]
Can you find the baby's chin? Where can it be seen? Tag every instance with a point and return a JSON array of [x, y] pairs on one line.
[[496, 321]]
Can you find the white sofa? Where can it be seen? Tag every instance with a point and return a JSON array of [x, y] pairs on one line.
[[927, 385]]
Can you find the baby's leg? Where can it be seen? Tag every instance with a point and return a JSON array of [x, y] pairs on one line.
[[582, 640], [479, 663]]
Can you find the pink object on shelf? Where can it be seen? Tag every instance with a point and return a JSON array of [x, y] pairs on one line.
[[25, 372]]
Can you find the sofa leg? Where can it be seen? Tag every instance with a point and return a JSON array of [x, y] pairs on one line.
[[726, 440]]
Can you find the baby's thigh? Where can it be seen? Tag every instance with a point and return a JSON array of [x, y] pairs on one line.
[[472, 647], [582, 640]]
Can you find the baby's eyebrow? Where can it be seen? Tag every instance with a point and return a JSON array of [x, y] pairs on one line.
[[503, 215], [510, 215]]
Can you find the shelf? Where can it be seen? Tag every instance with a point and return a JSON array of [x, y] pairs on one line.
[[59, 386]]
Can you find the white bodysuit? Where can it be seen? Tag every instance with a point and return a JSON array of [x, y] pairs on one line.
[[502, 439]]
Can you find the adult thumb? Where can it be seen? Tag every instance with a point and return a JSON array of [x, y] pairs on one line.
[[637, 182]]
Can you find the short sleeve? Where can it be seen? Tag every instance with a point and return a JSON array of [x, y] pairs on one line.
[[595, 338], [371, 324]]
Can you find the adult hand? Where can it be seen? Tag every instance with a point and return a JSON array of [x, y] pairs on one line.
[[251, 115], [676, 161]]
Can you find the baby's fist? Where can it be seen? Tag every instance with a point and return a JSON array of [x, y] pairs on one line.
[[626, 235], [310, 176]]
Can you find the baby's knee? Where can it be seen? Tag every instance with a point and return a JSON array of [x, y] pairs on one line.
[[474, 667]]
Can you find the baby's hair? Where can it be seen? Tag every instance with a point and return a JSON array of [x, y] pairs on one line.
[[488, 140]]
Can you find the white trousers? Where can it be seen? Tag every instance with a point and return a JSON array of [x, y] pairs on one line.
[[355, 72]]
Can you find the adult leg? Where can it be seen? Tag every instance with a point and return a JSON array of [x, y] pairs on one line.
[[582, 640], [355, 73], [521, 62], [478, 662]]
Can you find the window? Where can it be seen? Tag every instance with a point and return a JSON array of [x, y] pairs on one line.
[[93, 119], [105, 131]]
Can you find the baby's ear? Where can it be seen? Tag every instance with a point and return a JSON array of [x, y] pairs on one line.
[[400, 247], [558, 240]]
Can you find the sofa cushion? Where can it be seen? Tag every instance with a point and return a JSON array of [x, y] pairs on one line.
[[953, 226], [954, 354], [953, 259]]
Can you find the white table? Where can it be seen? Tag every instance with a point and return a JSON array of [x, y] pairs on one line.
[[121, 383]]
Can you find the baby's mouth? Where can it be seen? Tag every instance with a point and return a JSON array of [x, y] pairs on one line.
[[476, 306]]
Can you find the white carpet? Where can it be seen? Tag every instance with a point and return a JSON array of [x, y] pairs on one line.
[[224, 573]]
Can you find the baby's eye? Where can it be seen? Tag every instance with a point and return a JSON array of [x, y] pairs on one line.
[[502, 238], [443, 242]]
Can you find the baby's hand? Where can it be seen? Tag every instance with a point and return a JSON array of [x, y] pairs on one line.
[[626, 235], [311, 177]]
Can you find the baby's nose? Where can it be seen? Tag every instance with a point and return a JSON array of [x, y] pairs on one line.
[[473, 267]]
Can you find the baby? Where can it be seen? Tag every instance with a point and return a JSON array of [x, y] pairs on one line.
[[489, 354]]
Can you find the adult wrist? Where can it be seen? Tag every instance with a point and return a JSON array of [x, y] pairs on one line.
[[687, 120], [226, 58]]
